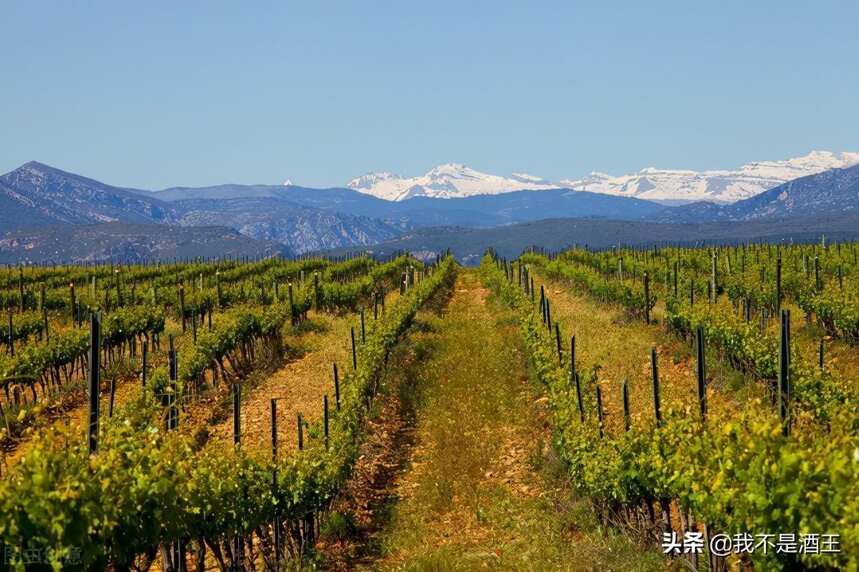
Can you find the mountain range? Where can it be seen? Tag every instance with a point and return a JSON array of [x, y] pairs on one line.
[[37, 195], [661, 185], [41, 207]]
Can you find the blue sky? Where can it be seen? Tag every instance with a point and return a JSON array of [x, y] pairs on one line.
[[154, 94]]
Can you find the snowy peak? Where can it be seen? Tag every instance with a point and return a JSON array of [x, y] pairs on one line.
[[450, 180], [454, 180], [371, 179], [724, 186]]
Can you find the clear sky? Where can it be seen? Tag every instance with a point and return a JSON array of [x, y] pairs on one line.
[[159, 93]]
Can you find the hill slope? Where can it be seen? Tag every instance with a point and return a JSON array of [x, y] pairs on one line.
[[45, 194], [301, 228]]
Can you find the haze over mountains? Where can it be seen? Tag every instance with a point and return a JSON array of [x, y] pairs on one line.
[[40, 206]]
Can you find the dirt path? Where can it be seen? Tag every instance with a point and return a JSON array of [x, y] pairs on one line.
[[459, 472]]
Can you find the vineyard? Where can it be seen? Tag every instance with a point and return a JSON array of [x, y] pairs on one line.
[[151, 357], [224, 415], [756, 430]]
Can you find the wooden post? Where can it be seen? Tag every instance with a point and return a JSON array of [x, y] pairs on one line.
[[74, 303], [354, 350], [625, 392], [112, 397], [701, 372], [654, 375], [237, 414], [363, 329], [543, 302], [336, 388], [93, 381], [543, 310], [291, 306], [317, 301], [300, 433], [558, 343], [784, 388]]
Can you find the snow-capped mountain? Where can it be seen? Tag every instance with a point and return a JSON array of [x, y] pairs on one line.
[[723, 186], [445, 181], [664, 185]]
